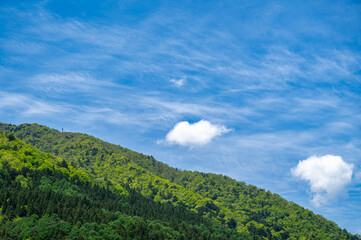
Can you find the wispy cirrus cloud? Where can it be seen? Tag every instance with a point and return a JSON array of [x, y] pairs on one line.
[[69, 82], [94, 115], [28, 105], [124, 46]]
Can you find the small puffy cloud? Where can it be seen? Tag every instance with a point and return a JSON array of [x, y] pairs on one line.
[[327, 175], [196, 134], [178, 82]]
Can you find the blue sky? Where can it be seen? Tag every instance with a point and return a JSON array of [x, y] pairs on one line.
[[242, 88]]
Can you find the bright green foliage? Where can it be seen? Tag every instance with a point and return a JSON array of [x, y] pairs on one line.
[[18, 155], [226, 202], [54, 204]]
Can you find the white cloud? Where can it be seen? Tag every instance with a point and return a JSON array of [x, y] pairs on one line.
[[327, 175], [178, 82], [70, 82], [196, 134], [28, 105], [90, 115]]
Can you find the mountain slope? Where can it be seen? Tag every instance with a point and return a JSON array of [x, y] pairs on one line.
[[42, 197], [233, 204]]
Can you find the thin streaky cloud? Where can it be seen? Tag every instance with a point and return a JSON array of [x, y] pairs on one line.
[[69, 82], [28, 105]]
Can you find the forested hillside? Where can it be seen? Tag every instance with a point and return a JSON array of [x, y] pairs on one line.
[[42, 197], [84, 186]]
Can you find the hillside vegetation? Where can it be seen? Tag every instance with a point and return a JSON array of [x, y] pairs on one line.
[[42, 197], [133, 195]]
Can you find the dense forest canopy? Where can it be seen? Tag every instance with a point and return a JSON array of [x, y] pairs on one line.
[[74, 186]]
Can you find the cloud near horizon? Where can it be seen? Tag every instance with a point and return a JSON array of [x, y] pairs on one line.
[[196, 134], [327, 175]]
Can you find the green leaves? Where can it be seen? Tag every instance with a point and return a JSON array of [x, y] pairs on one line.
[[10, 137], [153, 190]]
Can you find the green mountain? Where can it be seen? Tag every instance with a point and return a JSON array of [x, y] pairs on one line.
[[75, 186]]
